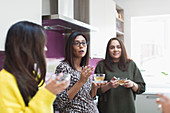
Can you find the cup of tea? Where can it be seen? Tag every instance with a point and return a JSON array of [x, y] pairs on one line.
[[121, 80], [65, 76], [98, 78]]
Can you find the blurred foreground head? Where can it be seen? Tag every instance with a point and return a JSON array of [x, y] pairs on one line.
[[25, 56]]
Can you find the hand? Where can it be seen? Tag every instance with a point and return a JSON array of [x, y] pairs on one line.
[[94, 88], [128, 84], [85, 73], [114, 82], [56, 87], [165, 103], [98, 85]]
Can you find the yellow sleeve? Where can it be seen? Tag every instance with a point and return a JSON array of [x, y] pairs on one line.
[[11, 100], [42, 102]]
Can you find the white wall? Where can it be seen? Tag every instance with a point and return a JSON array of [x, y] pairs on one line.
[[12, 11], [133, 8]]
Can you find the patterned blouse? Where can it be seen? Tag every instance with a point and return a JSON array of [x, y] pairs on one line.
[[82, 102]]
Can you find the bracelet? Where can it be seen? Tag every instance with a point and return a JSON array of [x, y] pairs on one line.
[[133, 85]]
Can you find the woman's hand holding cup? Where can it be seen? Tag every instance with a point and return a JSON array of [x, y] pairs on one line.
[[56, 85], [114, 82]]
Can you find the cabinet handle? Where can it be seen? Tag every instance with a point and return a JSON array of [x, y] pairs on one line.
[[151, 97]]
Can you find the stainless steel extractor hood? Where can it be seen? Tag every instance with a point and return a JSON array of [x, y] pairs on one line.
[[59, 15]]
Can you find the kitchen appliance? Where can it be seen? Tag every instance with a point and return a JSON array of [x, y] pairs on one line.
[[59, 15]]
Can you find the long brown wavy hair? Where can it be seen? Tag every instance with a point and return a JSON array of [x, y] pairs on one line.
[[124, 60], [69, 50], [25, 56]]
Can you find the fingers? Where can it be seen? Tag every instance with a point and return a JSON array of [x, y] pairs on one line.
[[163, 97], [88, 70], [159, 101], [85, 69], [57, 87], [54, 77], [162, 100], [58, 83], [64, 84], [128, 83], [58, 76], [94, 84], [114, 78], [104, 83], [50, 79], [114, 83], [98, 85], [85, 73]]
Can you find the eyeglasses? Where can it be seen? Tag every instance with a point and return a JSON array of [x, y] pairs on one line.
[[77, 44]]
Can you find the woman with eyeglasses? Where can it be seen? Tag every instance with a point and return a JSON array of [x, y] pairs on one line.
[[78, 97], [22, 87]]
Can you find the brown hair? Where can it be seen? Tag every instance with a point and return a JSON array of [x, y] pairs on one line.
[[124, 60], [24, 48], [69, 50]]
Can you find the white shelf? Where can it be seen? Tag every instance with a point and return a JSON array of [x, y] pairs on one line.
[[119, 33], [120, 22]]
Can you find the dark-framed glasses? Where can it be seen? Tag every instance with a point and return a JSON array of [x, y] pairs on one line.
[[77, 44]]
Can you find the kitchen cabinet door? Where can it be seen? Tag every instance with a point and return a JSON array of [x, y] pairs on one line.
[[13, 11], [146, 103], [102, 16]]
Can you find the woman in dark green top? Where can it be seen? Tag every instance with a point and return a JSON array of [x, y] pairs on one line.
[[115, 98]]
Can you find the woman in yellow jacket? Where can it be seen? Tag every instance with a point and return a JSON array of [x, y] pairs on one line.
[[24, 72]]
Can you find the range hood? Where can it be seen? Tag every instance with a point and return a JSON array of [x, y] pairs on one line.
[[59, 15]]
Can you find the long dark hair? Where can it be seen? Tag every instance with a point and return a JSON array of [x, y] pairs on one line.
[[124, 60], [69, 50], [25, 56]]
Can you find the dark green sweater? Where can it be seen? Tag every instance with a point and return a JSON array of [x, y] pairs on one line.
[[120, 99]]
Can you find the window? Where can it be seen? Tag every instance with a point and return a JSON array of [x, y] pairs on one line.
[[150, 45]]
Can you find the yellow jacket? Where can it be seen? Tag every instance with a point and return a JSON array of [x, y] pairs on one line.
[[11, 100]]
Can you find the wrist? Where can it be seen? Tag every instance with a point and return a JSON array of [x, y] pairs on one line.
[[80, 83], [109, 85]]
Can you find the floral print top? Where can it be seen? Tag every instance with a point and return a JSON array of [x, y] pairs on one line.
[[82, 102]]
